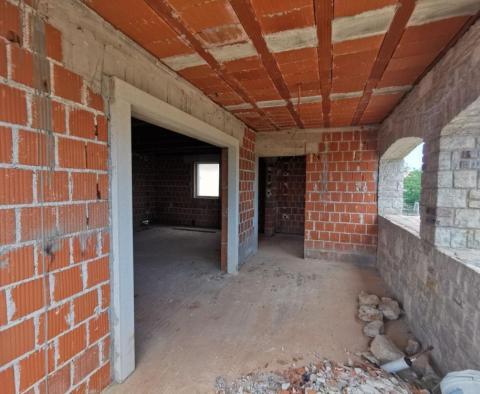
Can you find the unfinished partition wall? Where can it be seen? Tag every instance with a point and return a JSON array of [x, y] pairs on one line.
[[436, 272], [341, 197], [247, 232]]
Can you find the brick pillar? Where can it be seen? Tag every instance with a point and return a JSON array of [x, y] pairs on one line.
[[270, 198], [224, 208]]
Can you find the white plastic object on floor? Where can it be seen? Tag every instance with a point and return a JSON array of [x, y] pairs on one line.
[[461, 382], [397, 365]]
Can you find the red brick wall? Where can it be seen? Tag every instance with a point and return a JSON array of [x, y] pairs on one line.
[[247, 194], [341, 202], [54, 240], [163, 192]]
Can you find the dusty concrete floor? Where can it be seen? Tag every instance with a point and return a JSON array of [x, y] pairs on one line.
[[194, 323]]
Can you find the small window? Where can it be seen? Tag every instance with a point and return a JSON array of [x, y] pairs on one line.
[[207, 180]]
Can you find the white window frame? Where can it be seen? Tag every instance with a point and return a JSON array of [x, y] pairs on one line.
[[195, 179]]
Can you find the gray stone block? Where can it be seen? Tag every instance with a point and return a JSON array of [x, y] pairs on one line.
[[465, 178]]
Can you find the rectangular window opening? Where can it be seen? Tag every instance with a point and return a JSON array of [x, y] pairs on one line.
[[207, 180]]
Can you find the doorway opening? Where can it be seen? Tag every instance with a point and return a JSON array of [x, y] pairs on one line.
[[282, 202], [177, 224], [129, 102]]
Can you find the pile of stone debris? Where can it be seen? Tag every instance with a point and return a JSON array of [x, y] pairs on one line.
[[373, 311], [322, 377]]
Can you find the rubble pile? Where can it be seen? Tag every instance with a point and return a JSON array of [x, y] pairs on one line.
[[323, 377], [360, 377], [375, 312]]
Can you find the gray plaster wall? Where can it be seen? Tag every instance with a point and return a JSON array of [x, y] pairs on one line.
[[440, 295]]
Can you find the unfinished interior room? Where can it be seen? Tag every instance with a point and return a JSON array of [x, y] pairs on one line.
[[239, 196]]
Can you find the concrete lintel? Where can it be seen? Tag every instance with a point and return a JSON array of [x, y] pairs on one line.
[[295, 142]]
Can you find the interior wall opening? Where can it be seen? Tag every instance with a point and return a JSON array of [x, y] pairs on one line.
[[177, 223], [281, 201]]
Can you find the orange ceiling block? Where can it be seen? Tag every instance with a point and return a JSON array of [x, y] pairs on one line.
[[311, 88], [295, 80], [344, 107], [265, 94], [139, 22], [353, 7], [359, 45], [213, 22], [383, 103], [354, 64], [411, 62], [250, 75], [247, 63], [261, 83], [197, 72], [205, 15], [428, 38], [311, 114], [269, 7], [294, 19], [300, 68], [348, 84], [400, 78], [418, 48], [296, 55], [222, 35]]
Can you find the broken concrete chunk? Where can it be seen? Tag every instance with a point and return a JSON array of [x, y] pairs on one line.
[[368, 299], [390, 308], [369, 357], [373, 328], [385, 350], [412, 347], [369, 313]]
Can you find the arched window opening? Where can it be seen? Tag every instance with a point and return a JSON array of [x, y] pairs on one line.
[[412, 182], [400, 180]]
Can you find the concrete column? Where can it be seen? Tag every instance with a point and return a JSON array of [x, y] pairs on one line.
[[224, 209]]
